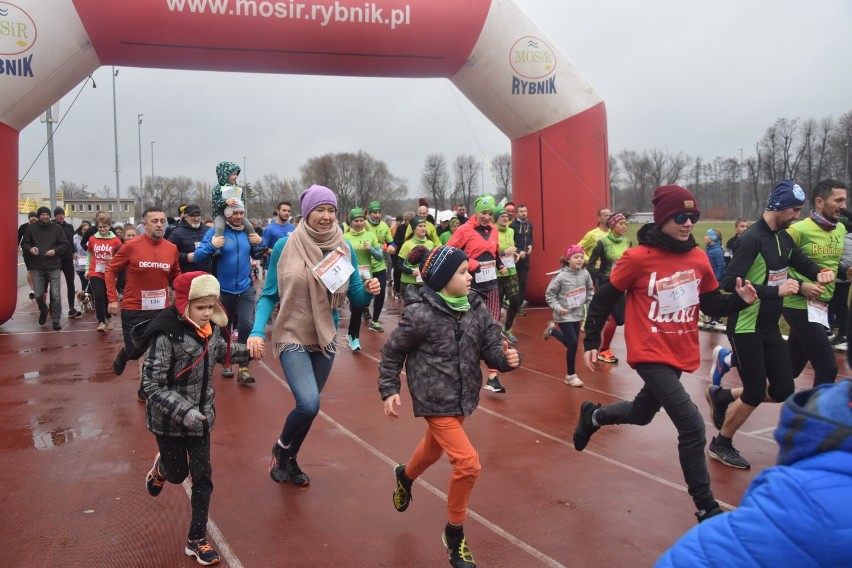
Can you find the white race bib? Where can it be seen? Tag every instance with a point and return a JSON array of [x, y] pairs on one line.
[[818, 313], [334, 270], [677, 292], [508, 261], [776, 277], [100, 265], [154, 299], [364, 271], [418, 278], [487, 272], [575, 298], [81, 261]]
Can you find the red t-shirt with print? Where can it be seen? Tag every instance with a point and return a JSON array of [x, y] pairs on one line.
[[663, 329]]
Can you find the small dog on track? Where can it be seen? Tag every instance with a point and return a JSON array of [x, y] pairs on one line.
[[85, 299]]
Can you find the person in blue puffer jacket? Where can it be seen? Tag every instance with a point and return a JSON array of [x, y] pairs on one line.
[[797, 513]]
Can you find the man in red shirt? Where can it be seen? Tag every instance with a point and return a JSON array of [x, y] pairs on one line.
[[151, 264], [668, 279]]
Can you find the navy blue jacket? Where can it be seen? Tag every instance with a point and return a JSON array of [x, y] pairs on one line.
[[187, 239]]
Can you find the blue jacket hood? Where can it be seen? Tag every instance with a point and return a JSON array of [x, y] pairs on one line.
[[815, 421], [224, 171]]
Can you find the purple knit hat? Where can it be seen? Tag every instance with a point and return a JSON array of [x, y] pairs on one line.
[[315, 196]]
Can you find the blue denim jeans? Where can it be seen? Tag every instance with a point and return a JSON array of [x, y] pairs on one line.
[[306, 373], [240, 310], [42, 279]]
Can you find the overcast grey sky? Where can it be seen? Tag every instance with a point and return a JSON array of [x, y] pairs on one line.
[[705, 78]]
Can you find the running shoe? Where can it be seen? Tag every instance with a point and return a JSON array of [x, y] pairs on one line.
[[585, 427], [573, 381], [507, 335], [705, 514], [494, 385], [354, 343], [42, 316], [548, 330], [227, 372], [109, 325], [202, 550], [727, 454], [101, 327], [120, 362], [57, 326], [244, 377], [718, 409], [402, 494], [607, 356], [284, 468], [458, 551], [154, 481], [377, 327], [72, 313]]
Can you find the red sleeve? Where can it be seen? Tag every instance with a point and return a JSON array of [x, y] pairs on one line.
[[116, 265]]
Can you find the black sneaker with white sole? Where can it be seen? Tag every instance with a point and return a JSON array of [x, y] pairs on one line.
[[494, 385], [727, 454]]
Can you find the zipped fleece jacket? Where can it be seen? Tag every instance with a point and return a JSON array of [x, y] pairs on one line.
[[797, 513], [45, 237], [441, 350], [170, 391]]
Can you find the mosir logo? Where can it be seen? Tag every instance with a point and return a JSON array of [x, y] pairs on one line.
[[533, 62], [17, 30]]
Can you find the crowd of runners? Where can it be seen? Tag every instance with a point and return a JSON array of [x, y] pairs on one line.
[[193, 295]]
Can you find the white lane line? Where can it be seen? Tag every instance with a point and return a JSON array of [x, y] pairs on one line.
[[529, 549], [225, 550], [601, 457]]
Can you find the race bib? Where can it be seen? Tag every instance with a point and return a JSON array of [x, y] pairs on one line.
[[81, 261], [101, 264], [776, 277], [418, 278], [487, 272], [818, 313], [677, 292], [364, 271], [575, 298], [154, 299], [508, 261], [333, 270]]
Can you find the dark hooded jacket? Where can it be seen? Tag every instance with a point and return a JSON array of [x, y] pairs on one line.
[[45, 237], [441, 350], [177, 374], [798, 513], [187, 239], [223, 172]]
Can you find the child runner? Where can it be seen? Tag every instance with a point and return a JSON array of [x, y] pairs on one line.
[[366, 247], [102, 247], [507, 282], [226, 195], [186, 341], [441, 337], [568, 294]]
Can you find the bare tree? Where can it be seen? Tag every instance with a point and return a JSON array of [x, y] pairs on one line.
[[72, 190], [435, 179], [637, 176], [466, 173], [501, 169]]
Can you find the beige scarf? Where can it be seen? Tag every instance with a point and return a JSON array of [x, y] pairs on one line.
[[305, 320]]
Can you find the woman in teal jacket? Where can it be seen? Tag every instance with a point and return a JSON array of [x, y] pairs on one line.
[[311, 272]]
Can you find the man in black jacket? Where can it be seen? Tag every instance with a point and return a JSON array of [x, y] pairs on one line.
[[67, 260], [524, 244], [46, 242], [31, 220], [186, 237]]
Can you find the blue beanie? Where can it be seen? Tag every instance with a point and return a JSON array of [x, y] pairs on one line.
[[440, 264], [785, 195], [713, 236]]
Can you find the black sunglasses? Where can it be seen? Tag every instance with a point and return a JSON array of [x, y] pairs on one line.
[[680, 218]]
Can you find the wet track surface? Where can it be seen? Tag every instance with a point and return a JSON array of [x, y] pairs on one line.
[[75, 452]]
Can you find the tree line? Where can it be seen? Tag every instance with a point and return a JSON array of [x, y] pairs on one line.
[[726, 187]]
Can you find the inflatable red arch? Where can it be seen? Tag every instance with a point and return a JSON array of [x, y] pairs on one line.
[[489, 49]]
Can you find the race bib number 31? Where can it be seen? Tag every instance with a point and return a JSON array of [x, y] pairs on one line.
[[333, 270], [677, 292]]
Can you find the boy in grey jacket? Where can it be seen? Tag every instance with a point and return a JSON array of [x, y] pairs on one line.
[[443, 334], [185, 342]]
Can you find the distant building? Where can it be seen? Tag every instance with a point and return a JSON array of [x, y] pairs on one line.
[[641, 217], [86, 208]]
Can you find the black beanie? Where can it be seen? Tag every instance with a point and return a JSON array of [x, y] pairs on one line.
[[440, 264], [43, 209]]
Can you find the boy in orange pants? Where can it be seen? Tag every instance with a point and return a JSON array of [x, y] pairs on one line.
[[441, 338]]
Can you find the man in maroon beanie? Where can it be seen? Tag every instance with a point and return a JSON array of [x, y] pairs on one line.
[[668, 278]]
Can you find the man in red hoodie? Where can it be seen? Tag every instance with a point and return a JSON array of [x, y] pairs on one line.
[[151, 264]]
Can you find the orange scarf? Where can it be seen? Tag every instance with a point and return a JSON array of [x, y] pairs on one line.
[[204, 332]]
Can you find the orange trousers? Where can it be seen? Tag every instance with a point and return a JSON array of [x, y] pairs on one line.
[[445, 434]]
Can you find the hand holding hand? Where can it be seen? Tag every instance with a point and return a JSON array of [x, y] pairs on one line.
[[256, 347], [788, 288], [825, 276], [811, 290], [390, 402]]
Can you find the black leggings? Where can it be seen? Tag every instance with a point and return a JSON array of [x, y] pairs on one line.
[[190, 455], [98, 288], [355, 320], [379, 301], [569, 335], [809, 342], [70, 277], [760, 357]]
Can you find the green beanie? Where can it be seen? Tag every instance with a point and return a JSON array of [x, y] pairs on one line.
[[374, 206], [355, 213], [484, 203]]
